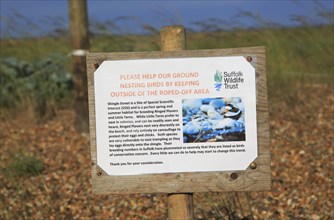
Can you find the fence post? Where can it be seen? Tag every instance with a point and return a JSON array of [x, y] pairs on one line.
[[180, 205], [80, 43]]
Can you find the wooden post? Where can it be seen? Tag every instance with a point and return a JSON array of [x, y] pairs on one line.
[[173, 38], [80, 44], [180, 205]]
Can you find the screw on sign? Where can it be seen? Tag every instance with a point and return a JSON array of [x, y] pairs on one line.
[[253, 166], [249, 58]]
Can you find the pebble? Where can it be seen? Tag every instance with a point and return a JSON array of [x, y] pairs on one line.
[[203, 120]]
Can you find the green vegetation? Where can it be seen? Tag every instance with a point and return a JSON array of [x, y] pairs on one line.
[[41, 85], [33, 49], [295, 56], [24, 165]]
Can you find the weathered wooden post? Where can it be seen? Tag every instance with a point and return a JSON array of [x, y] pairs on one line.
[[180, 205], [173, 38], [80, 43]]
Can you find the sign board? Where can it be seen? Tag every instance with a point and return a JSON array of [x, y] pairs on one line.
[[185, 121]]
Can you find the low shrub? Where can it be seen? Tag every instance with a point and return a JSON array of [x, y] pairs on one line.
[[42, 85]]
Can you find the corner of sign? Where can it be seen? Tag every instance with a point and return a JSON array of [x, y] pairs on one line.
[[251, 60], [99, 171], [96, 65]]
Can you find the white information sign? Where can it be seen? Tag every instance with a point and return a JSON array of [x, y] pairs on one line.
[[175, 115]]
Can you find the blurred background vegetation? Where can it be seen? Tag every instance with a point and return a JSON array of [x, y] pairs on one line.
[[35, 70]]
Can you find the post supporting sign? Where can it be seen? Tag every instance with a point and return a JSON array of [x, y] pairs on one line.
[[180, 205], [179, 121]]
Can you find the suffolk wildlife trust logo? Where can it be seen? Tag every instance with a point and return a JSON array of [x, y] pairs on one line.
[[218, 77]]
